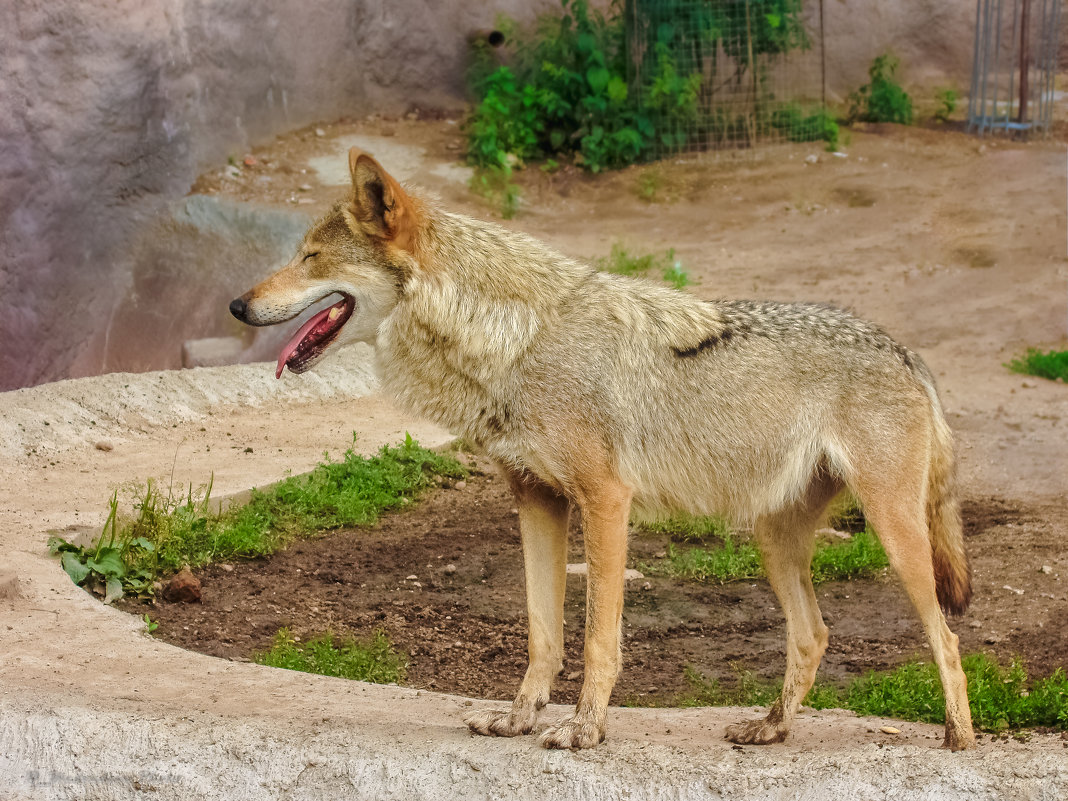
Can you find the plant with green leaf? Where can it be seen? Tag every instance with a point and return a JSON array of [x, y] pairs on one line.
[[947, 103], [1052, 364], [108, 567], [882, 99]]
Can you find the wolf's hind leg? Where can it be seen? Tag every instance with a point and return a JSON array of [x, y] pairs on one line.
[[786, 540], [899, 518], [543, 517]]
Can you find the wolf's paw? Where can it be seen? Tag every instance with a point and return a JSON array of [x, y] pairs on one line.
[[502, 724], [572, 733], [757, 732]]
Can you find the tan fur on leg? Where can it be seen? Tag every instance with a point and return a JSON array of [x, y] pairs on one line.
[[605, 510], [543, 515], [786, 540]]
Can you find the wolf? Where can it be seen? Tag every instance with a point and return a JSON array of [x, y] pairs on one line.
[[615, 396]]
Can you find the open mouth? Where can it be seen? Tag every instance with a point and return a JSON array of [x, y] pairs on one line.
[[314, 337]]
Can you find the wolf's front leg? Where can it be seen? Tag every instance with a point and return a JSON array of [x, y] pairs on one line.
[[543, 517], [604, 523]]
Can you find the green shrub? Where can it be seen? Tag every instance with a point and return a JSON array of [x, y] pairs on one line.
[[1052, 364], [882, 99]]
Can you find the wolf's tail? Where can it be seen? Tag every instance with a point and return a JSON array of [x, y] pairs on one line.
[[953, 573]]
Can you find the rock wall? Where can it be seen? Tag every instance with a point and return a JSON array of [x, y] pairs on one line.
[[108, 111]]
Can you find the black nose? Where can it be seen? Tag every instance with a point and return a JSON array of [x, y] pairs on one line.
[[238, 307]]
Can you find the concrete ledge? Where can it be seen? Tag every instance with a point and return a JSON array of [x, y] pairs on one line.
[[92, 707]]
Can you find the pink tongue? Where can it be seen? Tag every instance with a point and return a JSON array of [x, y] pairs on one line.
[[291, 346]]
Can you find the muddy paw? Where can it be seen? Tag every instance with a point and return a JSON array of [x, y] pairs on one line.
[[501, 724], [570, 733], [756, 732]]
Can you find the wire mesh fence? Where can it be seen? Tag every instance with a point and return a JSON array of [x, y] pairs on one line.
[[1015, 65], [727, 73]]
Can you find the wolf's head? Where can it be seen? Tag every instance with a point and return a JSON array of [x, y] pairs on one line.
[[362, 250]]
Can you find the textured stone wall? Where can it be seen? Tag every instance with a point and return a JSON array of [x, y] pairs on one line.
[[109, 110]]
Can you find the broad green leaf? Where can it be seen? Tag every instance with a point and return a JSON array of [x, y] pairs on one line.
[[598, 78], [108, 563], [113, 590], [74, 567]]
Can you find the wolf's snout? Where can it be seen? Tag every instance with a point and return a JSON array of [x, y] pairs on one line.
[[238, 307]]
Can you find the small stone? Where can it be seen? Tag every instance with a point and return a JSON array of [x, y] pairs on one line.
[[647, 586], [450, 568], [992, 639], [412, 577], [251, 161], [1028, 385], [184, 587], [304, 201], [812, 159], [320, 132], [975, 624], [574, 676], [889, 730], [460, 485], [305, 187], [1045, 569], [1012, 589], [227, 568], [104, 445]]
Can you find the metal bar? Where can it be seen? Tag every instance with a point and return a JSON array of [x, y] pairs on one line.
[[1012, 59], [975, 65], [996, 32], [1025, 60]]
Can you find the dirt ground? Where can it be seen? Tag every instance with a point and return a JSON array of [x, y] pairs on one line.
[[444, 579]]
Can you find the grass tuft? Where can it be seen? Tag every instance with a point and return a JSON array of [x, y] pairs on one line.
[[622, 262], [735, 558], [374, 661], [1052, 364], [168, 532], [1001, 698]]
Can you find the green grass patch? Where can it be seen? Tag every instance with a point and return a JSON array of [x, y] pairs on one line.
[[622, 262], [1052, 365], [167, 532], [734, 558], [860, 556], [374, 660], [1001, 698]]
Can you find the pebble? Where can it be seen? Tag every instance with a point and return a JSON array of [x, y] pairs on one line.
[[305, 187], [812, 158], [460, 485], [574, 676], [412, 577], [184, 587], [889, 730], [1045, 569], [320, 132], [975, 624], [1013, 589], [226, 567], [104, 445], [450, 568]]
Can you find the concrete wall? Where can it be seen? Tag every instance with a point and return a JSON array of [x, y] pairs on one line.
[[110, 109]]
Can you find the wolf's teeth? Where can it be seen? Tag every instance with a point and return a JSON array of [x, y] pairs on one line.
[[334, 314]]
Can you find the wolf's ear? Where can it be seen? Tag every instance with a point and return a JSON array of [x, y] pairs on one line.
[[378, 203]]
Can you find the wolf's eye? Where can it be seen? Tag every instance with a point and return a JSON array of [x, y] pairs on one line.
[[316, 253]]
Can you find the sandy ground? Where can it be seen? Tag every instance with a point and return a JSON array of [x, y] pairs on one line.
[[956, 246]]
